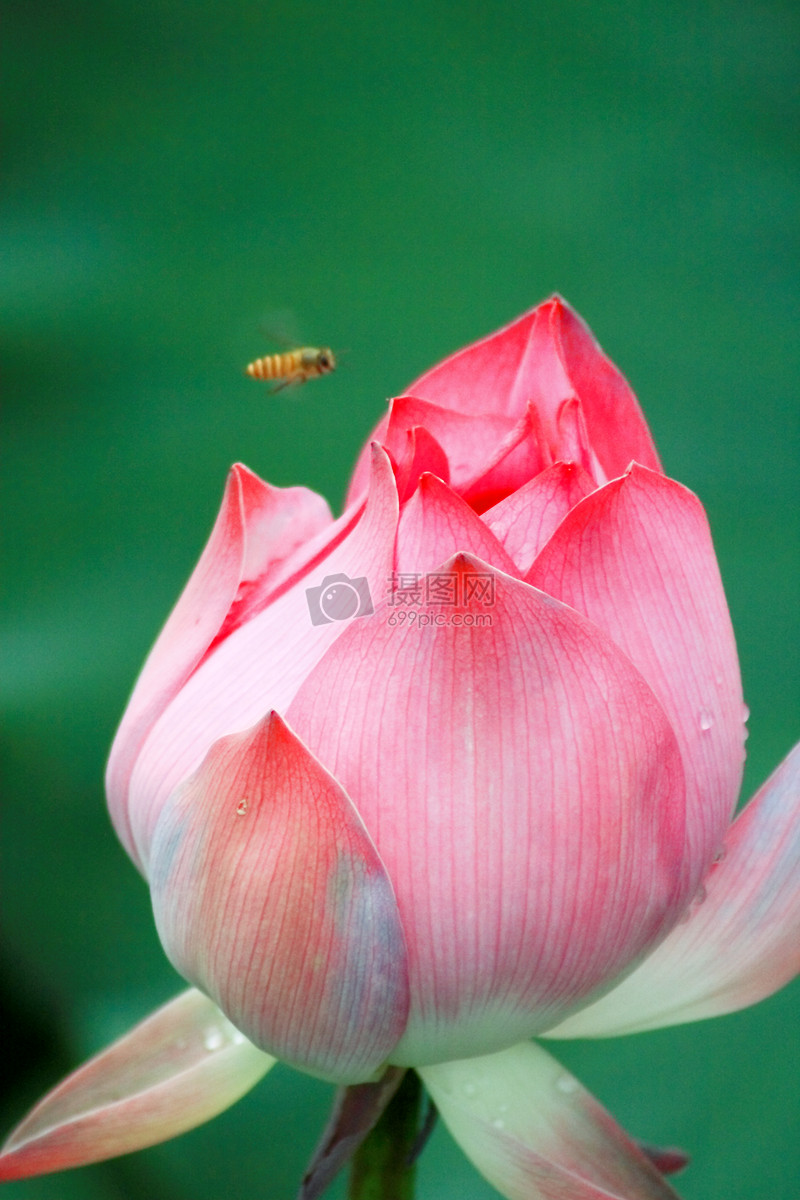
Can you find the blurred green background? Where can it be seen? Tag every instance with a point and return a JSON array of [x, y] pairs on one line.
[[394, 180]]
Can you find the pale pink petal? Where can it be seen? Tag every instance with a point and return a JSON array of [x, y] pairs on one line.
[[269, 894], [536, 1134], [527, 518], [179, 1067], [525, 792], [258, 528], [260, 665], [636, 557], [435, 524], [741, 941]]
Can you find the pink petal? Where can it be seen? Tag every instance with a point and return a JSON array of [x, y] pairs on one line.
[[422, 453], [467, 439], [520, 456], [636, 557], [179, 1067], [258, 528], [614, 420], [269, 894], [742, 940], [524, 790], [435, 524], [536, 1134], [261, 664], [471, 441], [527, 518], [549, 358]]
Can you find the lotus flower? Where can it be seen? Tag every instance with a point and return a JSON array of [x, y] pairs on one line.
[[457, 769]]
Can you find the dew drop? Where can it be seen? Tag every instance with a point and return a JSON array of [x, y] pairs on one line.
[[499, 1123], [213, 1038], [567, 1084], [706, 720], [745, 713], [469, 1089], [241, 807]]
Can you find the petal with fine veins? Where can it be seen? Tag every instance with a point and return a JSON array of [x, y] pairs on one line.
[[535, 1133], [525, 791], [269, 894], [740, 944], [181, 1066], [260, 665], [436, 523], [636, 557], [526, 519], [258, 528]]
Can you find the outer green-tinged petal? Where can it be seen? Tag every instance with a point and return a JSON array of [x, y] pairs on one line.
[[740, 944], [536, 1133], [260, 665], [258, 529], [636, 557], [525, 792], [269, 894], [179, 1067]]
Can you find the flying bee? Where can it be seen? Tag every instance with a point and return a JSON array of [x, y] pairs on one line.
[[293, 367]]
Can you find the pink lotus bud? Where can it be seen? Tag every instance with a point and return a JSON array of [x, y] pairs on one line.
[[458, 768], [419, 783]]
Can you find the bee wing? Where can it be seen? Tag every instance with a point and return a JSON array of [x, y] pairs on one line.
[[281, 326]]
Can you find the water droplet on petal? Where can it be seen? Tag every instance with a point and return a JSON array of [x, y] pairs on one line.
[[745, 713], [241, 807], [567, 1084], [213, 1038], [706, 720]]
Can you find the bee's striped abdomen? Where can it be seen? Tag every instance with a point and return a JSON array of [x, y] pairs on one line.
[[296, 366]]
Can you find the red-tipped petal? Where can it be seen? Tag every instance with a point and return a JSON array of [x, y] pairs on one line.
[[741, 941], [526, 519], [269, 894], [258, 528], [636, 557], [261, 665], [436, 524], [422, 453], [525, 792], [536, 1134], [181, 1066], [617, 429], [546, 357]]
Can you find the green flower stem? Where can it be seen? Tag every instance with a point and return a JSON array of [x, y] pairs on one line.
[[381, 1168]]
